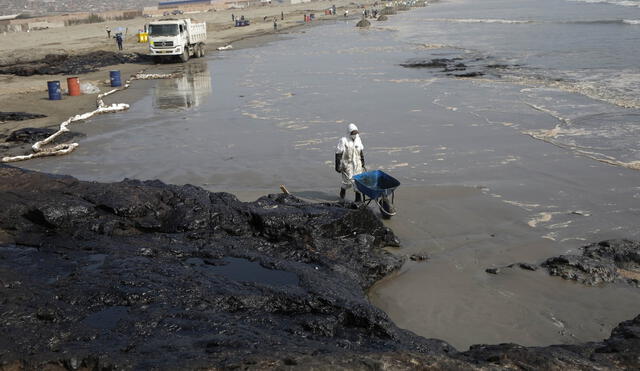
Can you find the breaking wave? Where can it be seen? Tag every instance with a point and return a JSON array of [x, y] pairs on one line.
[[478, 20], [631, 3], [509, 21], [604, 137], [619, 89], [607, 21]]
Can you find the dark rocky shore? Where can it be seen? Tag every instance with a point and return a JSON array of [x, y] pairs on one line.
[[144, 275], [600, 263], [19, 142], [19, 116], [603, 262], [64, 64]]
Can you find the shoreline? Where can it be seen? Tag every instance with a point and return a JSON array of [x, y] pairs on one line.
[[452, 203], [29, 94]]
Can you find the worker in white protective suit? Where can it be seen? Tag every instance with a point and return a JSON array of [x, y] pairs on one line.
[[350, 160]]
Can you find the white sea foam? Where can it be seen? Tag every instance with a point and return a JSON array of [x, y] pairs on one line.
[[479, 20], [618, 88], [523, 205], [543, 217], [612, 2], [551, 136], [604, 21]]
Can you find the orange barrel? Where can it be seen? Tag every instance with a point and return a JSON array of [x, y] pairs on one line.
[[74, 86]]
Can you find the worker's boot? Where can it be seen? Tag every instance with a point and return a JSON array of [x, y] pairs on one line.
[[358, 197], [343, 193]]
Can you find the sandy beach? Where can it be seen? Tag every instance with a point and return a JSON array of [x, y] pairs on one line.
[[499, 163]]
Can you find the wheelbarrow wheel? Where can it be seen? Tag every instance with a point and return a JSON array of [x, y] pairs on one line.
[[386, 208]]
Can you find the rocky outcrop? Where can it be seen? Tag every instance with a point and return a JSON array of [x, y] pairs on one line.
[[461, 65], [363, 23], [123, 273], [525, 266], [32, 135], [603, 262], [145, 275], [63, 64], [452, 66], [383, 18], [618, 352], [19, 142], [388, 11], [600, 263], [19, 116]]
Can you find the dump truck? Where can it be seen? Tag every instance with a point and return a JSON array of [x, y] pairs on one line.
[[182, 38]]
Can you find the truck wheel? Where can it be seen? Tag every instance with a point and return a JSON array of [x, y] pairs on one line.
[[184, 56], [202, 50], [197, 52]]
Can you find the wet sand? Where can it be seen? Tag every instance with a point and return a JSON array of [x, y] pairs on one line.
[[26, 94], [29, 94], [476, 191], [451, 297]]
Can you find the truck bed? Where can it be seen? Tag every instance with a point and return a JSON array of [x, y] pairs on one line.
[[197, 32]]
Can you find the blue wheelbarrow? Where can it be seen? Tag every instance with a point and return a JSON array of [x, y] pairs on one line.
[[378, 186]]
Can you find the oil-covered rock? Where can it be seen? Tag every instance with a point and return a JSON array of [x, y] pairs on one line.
[[603, 262], [145, 275]]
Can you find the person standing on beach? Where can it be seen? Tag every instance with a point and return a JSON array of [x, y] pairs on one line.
[[282, 15], [275, 25], [119, 40], [349, 160], [233, 17], [108, 32]]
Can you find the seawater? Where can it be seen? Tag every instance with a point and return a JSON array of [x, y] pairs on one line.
[[548, 133], [587, 48], [255, 118]]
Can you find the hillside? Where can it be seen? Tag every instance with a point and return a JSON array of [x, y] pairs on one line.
[[54, 6]]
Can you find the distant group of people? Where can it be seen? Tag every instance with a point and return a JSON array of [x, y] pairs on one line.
[[370, 13], [239, 22], [118, 36]]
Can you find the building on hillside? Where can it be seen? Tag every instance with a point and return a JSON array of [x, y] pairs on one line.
[[15, 23], [293, 2], [237, 4], [35, 26], [186, 6]]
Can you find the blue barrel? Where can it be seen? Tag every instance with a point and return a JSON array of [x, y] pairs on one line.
[[54, 90], [115, 78]]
